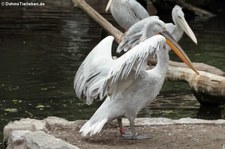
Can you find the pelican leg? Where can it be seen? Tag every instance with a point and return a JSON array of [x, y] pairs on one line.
[[134, 135], [122, 130]]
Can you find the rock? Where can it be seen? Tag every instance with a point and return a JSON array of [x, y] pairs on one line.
[[53, 123], [25, 139], [32, 133], [16, 139], [23, 124]]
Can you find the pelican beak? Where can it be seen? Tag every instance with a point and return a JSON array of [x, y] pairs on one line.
[[178, 50], [108, 5], [184, 25]]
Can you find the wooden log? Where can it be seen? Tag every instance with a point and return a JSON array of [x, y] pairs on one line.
[[196, 10], [204, 85], [208, 88], [200, 67]]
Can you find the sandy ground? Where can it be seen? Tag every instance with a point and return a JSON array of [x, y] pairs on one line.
[[171, 136]]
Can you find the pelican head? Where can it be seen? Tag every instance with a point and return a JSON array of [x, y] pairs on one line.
[[156, 26], [179, 20]]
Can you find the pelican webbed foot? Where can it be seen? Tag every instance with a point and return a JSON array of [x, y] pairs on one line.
[[129, 136]]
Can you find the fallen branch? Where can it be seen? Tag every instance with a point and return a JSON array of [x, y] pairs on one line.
[[195, 9], [200, 67], [204, 84], [208, 88]]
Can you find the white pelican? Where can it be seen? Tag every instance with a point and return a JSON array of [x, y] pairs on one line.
[[180, 26], [125, 82], [126, 12]]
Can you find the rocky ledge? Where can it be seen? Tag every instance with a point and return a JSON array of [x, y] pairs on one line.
[[58, 133]]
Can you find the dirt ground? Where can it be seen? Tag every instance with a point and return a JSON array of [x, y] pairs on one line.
[[173, 136]]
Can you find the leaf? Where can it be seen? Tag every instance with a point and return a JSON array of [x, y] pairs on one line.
[[11, 110], [40, 106]]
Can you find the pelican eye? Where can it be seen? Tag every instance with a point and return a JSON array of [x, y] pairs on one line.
[[179, 17]]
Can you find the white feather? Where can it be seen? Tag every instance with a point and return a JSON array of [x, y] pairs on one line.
[[92, 128], [135, 34], [93, 69], [127, 12]]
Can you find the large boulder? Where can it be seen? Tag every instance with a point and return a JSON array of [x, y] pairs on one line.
[[25, 139], [31, 133]]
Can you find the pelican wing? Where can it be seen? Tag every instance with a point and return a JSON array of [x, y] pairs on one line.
[[139, 11], [134, 60], [134, 35], [93, 70]]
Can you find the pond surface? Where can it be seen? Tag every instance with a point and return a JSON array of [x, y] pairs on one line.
[[41, 49]]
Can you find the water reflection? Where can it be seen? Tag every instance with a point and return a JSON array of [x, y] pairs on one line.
[[40, 51]]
